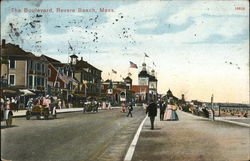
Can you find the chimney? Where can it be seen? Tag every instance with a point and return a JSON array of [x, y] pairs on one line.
[[3, 43]]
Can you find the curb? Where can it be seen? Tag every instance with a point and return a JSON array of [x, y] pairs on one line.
[[69, 111], [234, 122], [131, 149], [23, 115], [222, 120]]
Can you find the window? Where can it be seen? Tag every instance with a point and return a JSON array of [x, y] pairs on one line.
[[31, 64], [42, 67], [30, 81], [38, 81], [38, 67], [57, 84], [12, 79], [35, 81], [42, 82], [45, 82], [12, 64], [49, 72]]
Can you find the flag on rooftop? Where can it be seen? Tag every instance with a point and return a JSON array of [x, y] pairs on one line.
[[71, 48], [114, 71], [146, 55], [133, 65]]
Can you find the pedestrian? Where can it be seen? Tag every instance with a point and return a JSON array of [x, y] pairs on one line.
[[162, 109], [96, 106], [13, 104], [2, 102], [30, 104], [170, 113], [104, 105], [152, 112], [123, 108], [130, 109], [7, 104], [59, 104], [17, 100], [109, 106]]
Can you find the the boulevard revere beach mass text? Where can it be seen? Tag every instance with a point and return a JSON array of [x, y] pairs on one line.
[[60, 10]]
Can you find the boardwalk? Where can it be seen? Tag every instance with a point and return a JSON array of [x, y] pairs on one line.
[[191, 139]]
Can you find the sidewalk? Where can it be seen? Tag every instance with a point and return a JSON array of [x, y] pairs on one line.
[[192, 138], [22, 113]]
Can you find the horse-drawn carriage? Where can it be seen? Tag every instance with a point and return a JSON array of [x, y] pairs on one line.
[[41, 111], [90, 106]]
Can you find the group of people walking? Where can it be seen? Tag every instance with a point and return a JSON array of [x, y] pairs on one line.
[[167, 112], [9, 103]]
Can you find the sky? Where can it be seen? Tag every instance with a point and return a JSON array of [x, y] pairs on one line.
[[197, 48]]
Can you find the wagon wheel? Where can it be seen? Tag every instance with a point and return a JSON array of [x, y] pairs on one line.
[[46, 115], [54, 116], [28, 115], [9, 120]]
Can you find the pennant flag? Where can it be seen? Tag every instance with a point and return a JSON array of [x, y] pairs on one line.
[[146, 55], [114, 71], [71, 48], [133, 65]]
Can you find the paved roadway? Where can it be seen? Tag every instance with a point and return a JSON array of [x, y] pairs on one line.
[[71, 137], [193, 139]]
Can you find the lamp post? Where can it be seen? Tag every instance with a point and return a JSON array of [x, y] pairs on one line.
[[212, 107]]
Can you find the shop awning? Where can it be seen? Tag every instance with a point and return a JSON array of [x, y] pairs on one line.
[[9, 91], [27, 92]]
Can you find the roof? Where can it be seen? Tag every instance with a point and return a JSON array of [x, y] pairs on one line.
[[74, 56], [54, 62], [50, 59], [143, 74], [152, 78], [15, 50], [127, 78], [83, 64]]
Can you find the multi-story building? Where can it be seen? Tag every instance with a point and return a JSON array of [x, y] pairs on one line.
[[88, 76], [146, 79], [23, 70], [60, 78], [117, 91]]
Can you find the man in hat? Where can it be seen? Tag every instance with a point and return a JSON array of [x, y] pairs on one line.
[[152, 112]]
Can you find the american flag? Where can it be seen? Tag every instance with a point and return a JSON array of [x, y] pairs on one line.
[[133, 65]]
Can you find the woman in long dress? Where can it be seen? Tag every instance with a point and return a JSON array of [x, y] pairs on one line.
[[170, 113], [174, 114]]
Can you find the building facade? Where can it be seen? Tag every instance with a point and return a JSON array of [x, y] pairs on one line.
[[148, 79], [88, 76], [23, 70]]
